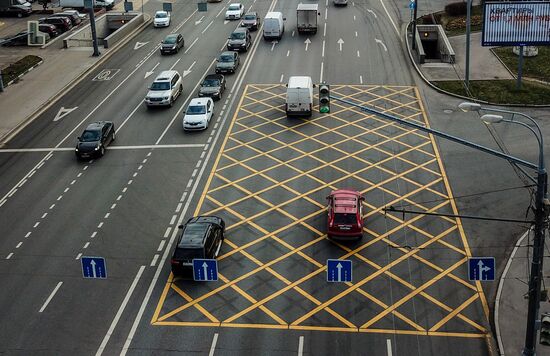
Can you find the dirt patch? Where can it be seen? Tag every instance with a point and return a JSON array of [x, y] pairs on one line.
[[14, 70]]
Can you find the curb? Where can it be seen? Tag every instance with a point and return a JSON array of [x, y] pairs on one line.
[[499, 292], [55, 97], [457, 95], [22, 74]]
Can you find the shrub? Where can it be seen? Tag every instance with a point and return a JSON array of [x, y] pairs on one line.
[[456, 8]]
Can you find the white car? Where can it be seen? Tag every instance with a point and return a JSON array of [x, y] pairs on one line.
[[234, 11], [165, 89], [198, 114], [162, 19]]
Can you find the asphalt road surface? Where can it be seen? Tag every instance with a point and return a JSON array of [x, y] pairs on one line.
[[267, 176]]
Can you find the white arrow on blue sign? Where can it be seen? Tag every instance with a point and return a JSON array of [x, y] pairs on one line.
[[93, 267], [481, 268], [339, 271], [205, 270]]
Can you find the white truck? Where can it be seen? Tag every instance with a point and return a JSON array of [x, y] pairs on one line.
[[307, 17], [79, 4]]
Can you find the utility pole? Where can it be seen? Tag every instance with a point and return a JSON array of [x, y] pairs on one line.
[[414, 24], [468, 22]]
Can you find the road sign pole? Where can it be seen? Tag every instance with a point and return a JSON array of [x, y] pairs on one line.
[[520, 68], [468, 16], [94, 34]]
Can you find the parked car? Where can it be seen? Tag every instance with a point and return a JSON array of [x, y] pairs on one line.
[[227, 62], [234, 11], [165, 89], [75, 20], [172, 43], [162, 19], [345, 214], [213, 86], [239, 40], [19, 39], [75, 12], [251, 20], [62, 24], [17, 8], [49, 29], [200, 237], [198, 114], [95, 139]]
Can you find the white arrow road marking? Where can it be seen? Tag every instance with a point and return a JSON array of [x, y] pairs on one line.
[[273, 43], [225, 22], [138, 45], [151, 71], [307, 42], [199, 21], [63, 112], [372, 12], [186, 72], [340, 42], [188, 48], [381, 43]]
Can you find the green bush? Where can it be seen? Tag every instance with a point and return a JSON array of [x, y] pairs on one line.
[[15, 69], [456, 8]]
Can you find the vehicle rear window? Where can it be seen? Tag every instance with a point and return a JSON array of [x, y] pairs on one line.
[[237, 36], [344, 218], [188, 253], [249, 17]]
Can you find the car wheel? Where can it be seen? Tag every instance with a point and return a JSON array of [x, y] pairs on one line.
[[102, 151], [20, 15]]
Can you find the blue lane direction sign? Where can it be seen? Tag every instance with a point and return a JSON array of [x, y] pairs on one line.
[[205, 270], [481, 268], [338, 270], [412, 5], [93, 267]]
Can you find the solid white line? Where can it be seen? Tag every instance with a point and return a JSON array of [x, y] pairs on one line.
[[9, 256], [119, 313], [23, 182], [173, 65], [213, 346], [206, 28], [154, 261], [50, 297], [128, 117], [191, 45], [391, 20], [301, 346], [388, 347]]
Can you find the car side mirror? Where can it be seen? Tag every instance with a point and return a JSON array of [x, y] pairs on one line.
[[79, 138], [319, 14], [228, 38], [284, 18], [286, 85], [180, 226]]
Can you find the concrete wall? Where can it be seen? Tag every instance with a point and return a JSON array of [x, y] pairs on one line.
[[83, 37], [446, 52], [132, 20], [420, 54]]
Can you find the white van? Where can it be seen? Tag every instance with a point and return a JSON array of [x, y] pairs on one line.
[[299, 96], [274, 26]]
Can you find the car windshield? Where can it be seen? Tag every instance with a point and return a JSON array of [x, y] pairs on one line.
[[249, 17], [343, 218], [226, 58], [90, 136], [210, 83], [160, 86], [196, 110], [161, 15], [170, 40], [237, 35], [233, 7]]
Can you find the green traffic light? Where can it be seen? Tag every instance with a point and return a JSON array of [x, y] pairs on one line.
[[324, 109]]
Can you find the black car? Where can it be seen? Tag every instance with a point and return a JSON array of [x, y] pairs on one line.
[[213, 86], [227, 62], [95, 139], [17, 40], [251, 20], [200, 237], [172, 43], [240, 40]]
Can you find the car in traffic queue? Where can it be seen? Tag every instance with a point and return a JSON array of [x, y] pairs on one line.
[[201, 237], [234, 12], [198, 114], [94, 140], [213, 86], [251, 20], [239, 40], [172, 43], [227, 62], [162, 19], [345, 214], [166, 88]]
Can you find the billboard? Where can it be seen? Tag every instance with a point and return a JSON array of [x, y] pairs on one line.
[[516, 23]]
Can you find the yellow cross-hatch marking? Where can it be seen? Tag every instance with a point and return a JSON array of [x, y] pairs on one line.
[[269, 183]]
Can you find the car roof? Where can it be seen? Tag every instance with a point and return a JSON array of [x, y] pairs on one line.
[[165, 75], [96, 125], [252, 13], [161, 12], [345, 200], [299, 82], [199, 101], [214, 76], [194, 234], [235, 3], [227, 53], [172, 35]]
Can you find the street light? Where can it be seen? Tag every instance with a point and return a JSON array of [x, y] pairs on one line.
[[541, 213]]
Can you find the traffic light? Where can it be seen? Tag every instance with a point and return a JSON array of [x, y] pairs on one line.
[[545, 329], [324, 98]]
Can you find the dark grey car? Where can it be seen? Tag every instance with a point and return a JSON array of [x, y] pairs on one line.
[[239, 40], [94, 139], [213, 86], [227, 62], [172, 43], [251, 20]]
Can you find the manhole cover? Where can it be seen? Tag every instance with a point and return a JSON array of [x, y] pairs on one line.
[[448, 111]]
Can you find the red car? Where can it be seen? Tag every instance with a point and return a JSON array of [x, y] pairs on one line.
[[345, 214]]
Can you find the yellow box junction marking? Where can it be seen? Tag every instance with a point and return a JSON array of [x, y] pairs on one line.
[[268, 183]]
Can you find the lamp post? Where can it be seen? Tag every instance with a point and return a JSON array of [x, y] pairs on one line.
[[541, 203]]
